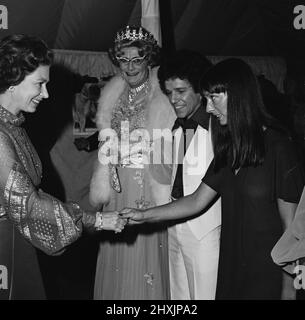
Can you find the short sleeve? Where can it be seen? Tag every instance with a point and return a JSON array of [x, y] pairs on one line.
[[288, 180], [213, 179]]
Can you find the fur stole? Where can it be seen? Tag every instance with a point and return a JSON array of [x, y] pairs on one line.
[[160, 114]]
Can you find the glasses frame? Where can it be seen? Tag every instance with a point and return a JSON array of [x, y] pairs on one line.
[[126, 61]]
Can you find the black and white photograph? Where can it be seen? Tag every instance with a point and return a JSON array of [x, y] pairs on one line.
[[152, 153]]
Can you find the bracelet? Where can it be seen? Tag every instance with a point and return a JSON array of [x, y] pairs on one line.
[[99, 221]]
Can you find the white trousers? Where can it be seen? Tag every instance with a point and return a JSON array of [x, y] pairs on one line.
[[193, 264]]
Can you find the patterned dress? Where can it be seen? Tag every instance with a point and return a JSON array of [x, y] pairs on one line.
[[133, 265], [28, 217]]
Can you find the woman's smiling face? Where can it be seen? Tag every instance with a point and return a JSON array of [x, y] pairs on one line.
[[133, 66], [31, 91]]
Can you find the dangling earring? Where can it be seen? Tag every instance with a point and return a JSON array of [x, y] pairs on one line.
[[11, 88]]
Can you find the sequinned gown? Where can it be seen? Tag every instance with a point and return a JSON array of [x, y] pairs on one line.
[[133, 265], [28, 217]]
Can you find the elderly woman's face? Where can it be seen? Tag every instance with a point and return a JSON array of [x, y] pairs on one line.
[[134, 67], [31, 91]]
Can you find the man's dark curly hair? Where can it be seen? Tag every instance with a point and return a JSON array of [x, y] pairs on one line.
[[149, 49], [185, 65], [21, 55]]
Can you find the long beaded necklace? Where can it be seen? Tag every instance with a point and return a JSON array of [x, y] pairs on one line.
[[131, 108], [134, 92]]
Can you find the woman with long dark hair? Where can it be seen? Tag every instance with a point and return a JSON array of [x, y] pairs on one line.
[[258, 176]]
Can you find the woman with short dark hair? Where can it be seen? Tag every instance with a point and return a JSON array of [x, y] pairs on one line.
[[29, 216]]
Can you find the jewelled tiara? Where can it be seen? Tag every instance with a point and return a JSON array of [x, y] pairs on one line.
[[134, 34]]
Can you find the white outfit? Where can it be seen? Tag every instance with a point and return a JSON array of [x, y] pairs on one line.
[[194, 244]]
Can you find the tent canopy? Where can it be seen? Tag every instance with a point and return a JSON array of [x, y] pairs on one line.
[[213, 27]]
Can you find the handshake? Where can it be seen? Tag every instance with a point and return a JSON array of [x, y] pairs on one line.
[[117, 220]]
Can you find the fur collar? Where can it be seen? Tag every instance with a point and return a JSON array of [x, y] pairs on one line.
[[160, 114]]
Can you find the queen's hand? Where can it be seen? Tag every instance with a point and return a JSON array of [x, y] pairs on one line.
[[109, 220]]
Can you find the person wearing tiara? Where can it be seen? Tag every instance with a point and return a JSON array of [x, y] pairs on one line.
[[133, 265]]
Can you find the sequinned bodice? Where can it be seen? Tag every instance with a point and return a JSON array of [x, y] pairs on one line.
[[131, 107], [42, 219], [12, 125], [128, 118]]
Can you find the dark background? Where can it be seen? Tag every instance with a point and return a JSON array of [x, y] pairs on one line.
[[213, 27]]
